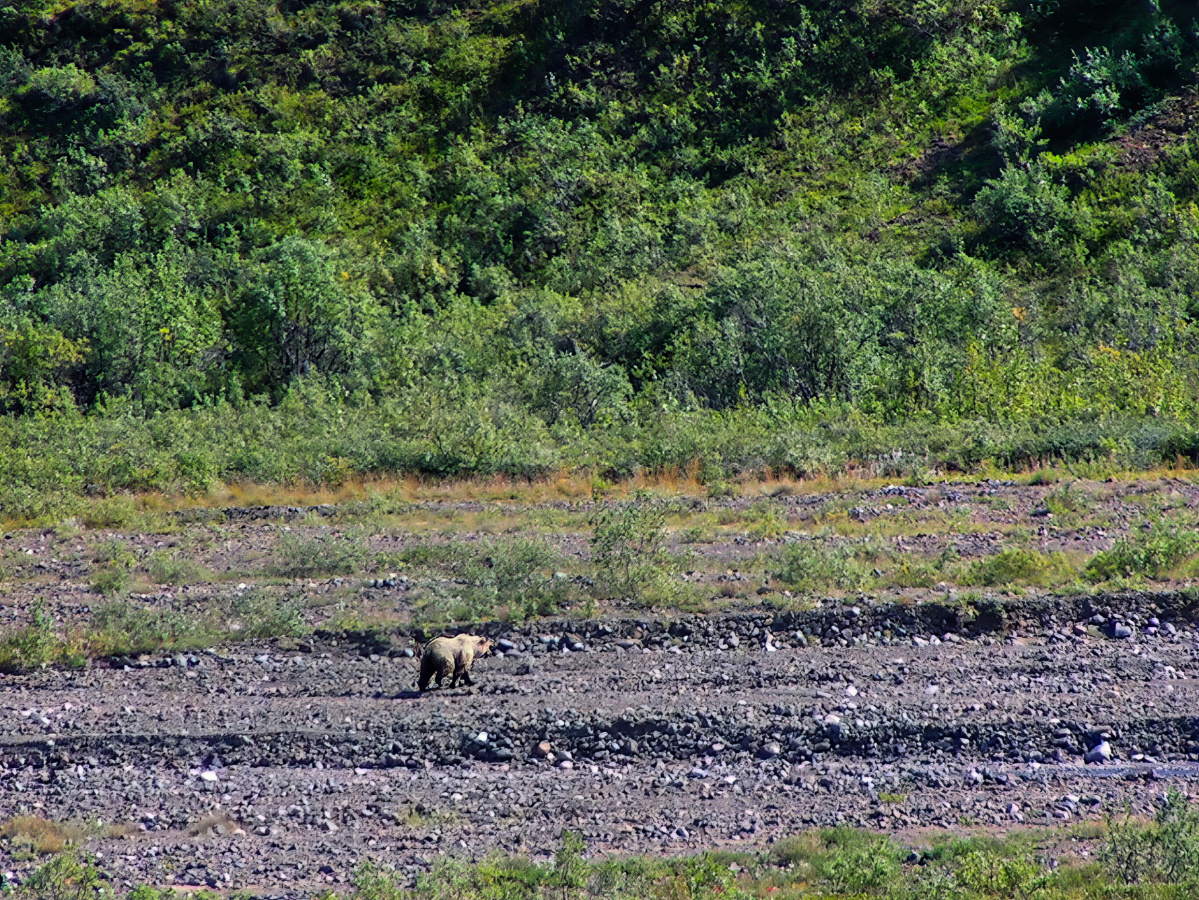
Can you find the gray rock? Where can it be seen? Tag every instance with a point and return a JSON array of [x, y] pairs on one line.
[[1100, 753]]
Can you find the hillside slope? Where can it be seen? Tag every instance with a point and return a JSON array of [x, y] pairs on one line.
[[566, 217]]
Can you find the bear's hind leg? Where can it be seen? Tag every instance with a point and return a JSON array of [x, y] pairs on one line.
[[445, 670]]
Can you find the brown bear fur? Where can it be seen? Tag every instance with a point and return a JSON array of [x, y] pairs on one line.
[[445, 655]]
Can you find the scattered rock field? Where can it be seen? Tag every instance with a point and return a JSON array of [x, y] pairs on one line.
[[274, 767]]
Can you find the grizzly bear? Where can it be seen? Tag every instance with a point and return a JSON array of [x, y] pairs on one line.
[[445, 655]]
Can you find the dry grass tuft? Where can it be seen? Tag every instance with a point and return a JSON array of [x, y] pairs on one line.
[[32, 836]]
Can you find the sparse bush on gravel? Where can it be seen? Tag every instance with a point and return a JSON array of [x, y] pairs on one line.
[[1019, 565], [522, 574], [123, 628], [628, 550], [766, 521], [170, 568], [1151, 550], [814, 567], [257, 614], [35, 645], [116, 563], [334, 553], [1165, 851], [513, 578]]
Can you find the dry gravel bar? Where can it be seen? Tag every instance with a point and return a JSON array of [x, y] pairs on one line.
[[275, 766]]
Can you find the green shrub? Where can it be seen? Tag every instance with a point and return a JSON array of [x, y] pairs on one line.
[[68, 876], [628, 550], [844, 859], [116, 562], [766, 521], [257, 614], [814, 566], [1018, 565], [122, 628], [32, 646], [1151, 550], [523, 575], [1002, 873], [164, 567], [333, 553], [1163, 852]]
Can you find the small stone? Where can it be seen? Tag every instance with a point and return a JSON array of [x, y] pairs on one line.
[[208, 776], [1120, 630], [1099, 754]]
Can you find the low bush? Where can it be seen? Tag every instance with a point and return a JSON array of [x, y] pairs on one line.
[[1165, 851], [1151, 550], [67, 876], [35, 645], [1018, 566], [122, 628], [335, 553], [162, 567], [628, 550], [813, 566]]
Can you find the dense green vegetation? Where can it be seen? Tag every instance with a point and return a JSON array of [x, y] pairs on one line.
[[516, 236]]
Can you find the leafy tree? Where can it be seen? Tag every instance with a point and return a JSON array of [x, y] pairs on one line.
[[300, 313]]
